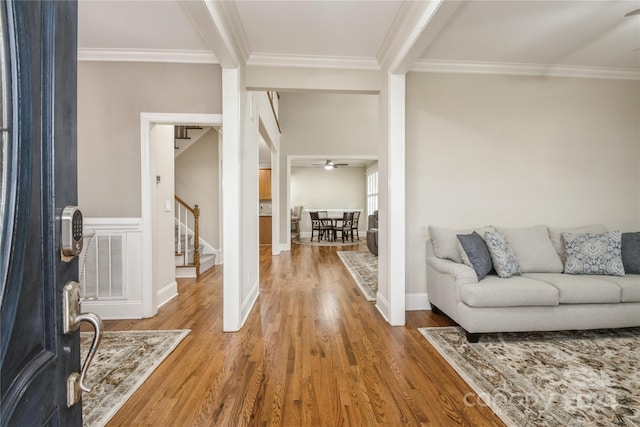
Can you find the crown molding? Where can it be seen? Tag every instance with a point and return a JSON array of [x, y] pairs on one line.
[[147, 55], [312, 61], [525, 69]]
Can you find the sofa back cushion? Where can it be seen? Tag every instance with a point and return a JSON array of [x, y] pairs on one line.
[[555, 234], [445, 242], [533, 249]]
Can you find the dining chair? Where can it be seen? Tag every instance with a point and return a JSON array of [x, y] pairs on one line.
[[354, 226], [296, 214], [326, 225], [345, 226], [315, 224]]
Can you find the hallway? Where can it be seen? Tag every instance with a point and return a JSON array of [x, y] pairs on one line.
[[313, 352]]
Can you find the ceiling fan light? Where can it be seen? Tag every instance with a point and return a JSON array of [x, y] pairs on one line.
[[328, 166]]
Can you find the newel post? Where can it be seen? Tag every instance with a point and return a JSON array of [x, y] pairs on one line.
[[196, 237]]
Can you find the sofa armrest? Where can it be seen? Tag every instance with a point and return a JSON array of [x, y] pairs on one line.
[[462, 274]]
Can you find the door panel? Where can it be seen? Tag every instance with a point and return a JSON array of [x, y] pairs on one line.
[[35, 355]]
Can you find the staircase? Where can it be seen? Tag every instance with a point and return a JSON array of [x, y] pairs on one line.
[[190, 262]]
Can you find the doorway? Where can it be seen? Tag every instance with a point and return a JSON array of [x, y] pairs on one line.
[[150, 299]]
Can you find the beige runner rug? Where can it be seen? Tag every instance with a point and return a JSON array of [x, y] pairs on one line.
[[122, 363]]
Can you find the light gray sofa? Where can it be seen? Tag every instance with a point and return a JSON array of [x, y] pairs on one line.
[[540, 298]]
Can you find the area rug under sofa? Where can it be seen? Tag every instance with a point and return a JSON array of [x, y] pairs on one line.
[[571, 378]]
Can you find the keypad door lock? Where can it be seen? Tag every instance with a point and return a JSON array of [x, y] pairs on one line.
[[71, 227]]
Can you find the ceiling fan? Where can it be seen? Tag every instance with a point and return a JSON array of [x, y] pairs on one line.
[[330, 164]]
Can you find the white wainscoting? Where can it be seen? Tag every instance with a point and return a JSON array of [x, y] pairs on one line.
[[111, 267]]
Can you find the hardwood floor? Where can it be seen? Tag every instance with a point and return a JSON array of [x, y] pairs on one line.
[[313, 352]]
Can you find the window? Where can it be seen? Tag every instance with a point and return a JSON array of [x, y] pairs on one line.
[[372, 190]]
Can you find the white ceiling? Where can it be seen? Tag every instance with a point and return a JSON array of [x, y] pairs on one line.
[[576, 33]]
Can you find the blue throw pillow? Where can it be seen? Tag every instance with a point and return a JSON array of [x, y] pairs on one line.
[[476, 249], [590, 253], [504, 260], [631, 252]]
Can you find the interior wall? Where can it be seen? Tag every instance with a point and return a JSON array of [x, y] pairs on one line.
[[325, 124], [197, 183], [518, 151], [111, 96], [161, 152], [344, 188]]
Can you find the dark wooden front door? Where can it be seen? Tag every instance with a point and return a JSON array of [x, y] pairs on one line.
[[39, 178]]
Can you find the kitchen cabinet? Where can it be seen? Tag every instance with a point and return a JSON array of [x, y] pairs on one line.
[[265, 230], [264, 181]]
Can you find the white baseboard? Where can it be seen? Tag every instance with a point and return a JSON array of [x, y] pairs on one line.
[[114, 310], [167, 293], [417, 301], [185, 272], [285, 247], [249, 302], [382, 305]]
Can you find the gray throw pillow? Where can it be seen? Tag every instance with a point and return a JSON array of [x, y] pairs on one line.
[[504, 260], [631, 252], [589, 253], [477, 253], [555, 234]]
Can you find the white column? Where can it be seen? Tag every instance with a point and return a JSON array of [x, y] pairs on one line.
[[396, 198], [231, 179]]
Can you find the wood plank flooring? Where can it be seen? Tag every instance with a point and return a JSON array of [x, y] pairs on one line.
[[313, 352]]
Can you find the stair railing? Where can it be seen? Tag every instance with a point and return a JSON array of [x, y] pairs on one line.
[[183, 213]]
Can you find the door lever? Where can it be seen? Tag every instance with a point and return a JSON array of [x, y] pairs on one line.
[[71, 318]]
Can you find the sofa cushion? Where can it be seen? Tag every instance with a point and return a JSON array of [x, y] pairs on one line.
[[533, 248], [504, 260], [631, 252], [445, 242], [590, 253], [630, 286], [555, 234], [581, 289], [515, 291], [475, 254]]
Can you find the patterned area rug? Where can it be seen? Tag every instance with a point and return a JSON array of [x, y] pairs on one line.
[[572, 378], [122, 363], [307, 242], [363, 267]]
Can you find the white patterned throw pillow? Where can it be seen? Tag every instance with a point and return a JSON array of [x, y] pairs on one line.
[[504, 260], [589, 253]]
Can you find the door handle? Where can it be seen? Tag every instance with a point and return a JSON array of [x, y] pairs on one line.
[[71, 319]]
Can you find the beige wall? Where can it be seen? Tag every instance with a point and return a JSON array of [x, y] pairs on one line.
[[325, 124], [343, 188], [197, 182], [517, 151], [161, 153], [111, 97]]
